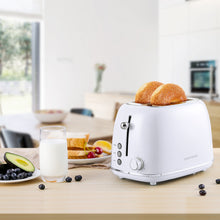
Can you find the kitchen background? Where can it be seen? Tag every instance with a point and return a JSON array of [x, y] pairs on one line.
[[139, 41], [188, 31], [123, 34]]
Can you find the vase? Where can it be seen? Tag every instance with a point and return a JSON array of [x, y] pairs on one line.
[[98, 87]]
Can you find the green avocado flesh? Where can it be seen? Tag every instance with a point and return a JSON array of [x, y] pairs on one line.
[[19, 161]]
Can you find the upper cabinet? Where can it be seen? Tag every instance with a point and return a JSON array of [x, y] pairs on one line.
[[203, 14], [169, 3], [174, 19], [181, 16]]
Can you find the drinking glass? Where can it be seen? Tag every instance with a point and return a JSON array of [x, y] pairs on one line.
[[53, 153]]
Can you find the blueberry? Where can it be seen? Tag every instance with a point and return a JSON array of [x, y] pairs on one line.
[[9, 171], [13, 176], [5, 177], [217, 181], [41, 186], [202, 192], [29, 174], [17, 170], [201, 186], [68, 179], [20, 176], [25, 175], [78, 178], [1, 176]]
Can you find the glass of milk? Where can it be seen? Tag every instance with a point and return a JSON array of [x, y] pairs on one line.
[[53, 153]]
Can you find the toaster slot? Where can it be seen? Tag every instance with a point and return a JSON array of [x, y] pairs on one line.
[[127, 137]]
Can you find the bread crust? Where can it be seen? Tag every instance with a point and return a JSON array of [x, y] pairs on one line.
[[168, 94], [143, 95]]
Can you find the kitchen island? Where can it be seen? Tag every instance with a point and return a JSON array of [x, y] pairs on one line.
[[102, 195]]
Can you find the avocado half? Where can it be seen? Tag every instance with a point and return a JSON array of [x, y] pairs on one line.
[[19, 161]]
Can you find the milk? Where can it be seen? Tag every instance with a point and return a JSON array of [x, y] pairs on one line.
[[53, 158]]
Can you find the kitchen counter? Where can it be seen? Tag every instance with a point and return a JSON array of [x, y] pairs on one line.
[[102, 195]]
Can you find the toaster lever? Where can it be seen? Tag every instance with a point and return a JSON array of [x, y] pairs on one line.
[[124, 125]]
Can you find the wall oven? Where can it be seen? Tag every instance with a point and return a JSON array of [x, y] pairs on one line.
[[203, 77]]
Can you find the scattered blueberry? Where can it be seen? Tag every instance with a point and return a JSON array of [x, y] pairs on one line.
[[13, 176], [1, 176], [68, 179], [25, 175], [41, 186], [5, 177], [201, 186], [202, 192], [78, 178], [217, 181]]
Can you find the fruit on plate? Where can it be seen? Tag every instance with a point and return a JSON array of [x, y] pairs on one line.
[[91, 154], [14, 174], [4, 167], [105, 145], [18, 161], [98, 150]]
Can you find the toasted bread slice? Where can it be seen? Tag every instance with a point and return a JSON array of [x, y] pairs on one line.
[[84, 157], [144, 93], [77, 157], [77, 153], [76, 142], [77, 139], [87, 147], [168, 94]]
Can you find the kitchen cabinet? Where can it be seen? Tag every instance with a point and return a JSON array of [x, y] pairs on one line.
[[173, 60], [181, 75], [203, 45], [165, 59], [203, 15], [174, 20]]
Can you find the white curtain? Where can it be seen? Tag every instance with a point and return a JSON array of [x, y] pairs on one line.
[[27, 9]]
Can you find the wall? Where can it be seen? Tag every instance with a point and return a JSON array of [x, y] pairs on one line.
[[188, 30], [123, 34]]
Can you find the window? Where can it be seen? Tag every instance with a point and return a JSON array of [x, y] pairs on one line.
[[19, 54], [19, 66]]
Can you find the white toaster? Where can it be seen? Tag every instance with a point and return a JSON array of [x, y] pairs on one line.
[[158, 143]]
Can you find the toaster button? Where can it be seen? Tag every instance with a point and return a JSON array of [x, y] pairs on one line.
[[119, 153], [119, 146], [124, 125], [119, 162], [136, 164]]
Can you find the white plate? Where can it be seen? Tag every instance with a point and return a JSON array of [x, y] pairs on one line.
[[89, 161], [36, 174]]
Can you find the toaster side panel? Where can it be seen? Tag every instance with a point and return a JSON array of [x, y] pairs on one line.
[[185, 138]]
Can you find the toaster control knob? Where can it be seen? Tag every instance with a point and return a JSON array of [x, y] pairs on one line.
[[136, 164]]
